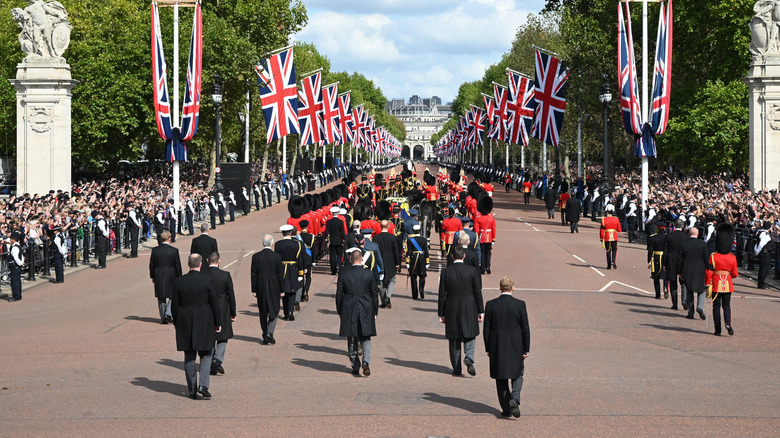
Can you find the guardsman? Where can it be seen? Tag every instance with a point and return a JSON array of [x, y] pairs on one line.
[[719, 277], [527, 192], [563, 198], [655, 260], [417, 260], [308, 241], [486, 185], [364, 189], [485, 228], [608, 233], [449, 227], [431, 191], [292, 252], [507, 181]]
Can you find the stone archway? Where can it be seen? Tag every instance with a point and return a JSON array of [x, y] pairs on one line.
[[406, 152], [418, 152]]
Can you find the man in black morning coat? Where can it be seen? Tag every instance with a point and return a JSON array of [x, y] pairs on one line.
[[164, 269], [267, 278], [197, 320], [461, 309], [226, 297], [391, 254], [357, 305], [693, 263], [507, 342], [672, 253], [573, 213], [335, 229], [204, 245]]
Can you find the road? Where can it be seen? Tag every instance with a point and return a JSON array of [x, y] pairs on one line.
[[89, 358]]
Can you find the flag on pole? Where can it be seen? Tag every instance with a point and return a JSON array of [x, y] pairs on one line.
[[358, 127], [629, 87], [490, 111], [345, 118], [521, 107], [551, 86], [330, 113], [162, 102], [310, 109], [477, 128], [192, 90], [662, 79], [279, 94], [501, 95]]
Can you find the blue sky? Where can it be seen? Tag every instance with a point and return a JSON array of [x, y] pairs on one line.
[[424, 47]]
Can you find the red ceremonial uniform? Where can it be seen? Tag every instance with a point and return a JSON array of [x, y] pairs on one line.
[[489, 189], [725, 268], [294, 222], [485, 227], [471, 206], [527, 187], [610, 226], [507, 178], [449, 227], [562, 198], [431, 193]]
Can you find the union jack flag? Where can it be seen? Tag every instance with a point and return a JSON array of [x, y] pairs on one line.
[[330, 113], [191, 108], [279, 94], [629, 88], [345, 118], [550, 94], [359, 127], [490, 110], [310, 109], [477, 126], [162, 102], [520, 107], [662, 80], [502, 115]]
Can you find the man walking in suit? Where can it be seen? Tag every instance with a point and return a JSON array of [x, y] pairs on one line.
[[507, 342], [204, 245], [197, 320], [226, 299], [694, 262], [164, 269], [672, 252], [461, 309], [390, 250], [357, 305], [267, 278], [336, 231], [573, 213]]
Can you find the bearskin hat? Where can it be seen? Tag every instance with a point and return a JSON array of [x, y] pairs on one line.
[[309, 202], [430, 180], [317, 200], [383, 210], [724, 238], [473, 188], [486, 178], [297, 206], [484, 203]]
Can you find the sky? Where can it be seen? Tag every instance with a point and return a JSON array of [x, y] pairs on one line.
[[407, 47]]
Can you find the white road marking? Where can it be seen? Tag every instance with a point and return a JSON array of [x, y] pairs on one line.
[[578, 258], [248, 254], [535, 229], [230, 264], [623, 284], [597, 271], [519, 219]]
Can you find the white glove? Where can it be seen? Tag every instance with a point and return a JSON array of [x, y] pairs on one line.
[[314, 264], [381, 277], [300, 278], [426, 266], [407, 266]]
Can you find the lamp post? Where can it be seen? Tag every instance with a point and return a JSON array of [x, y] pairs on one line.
[[217, 97], [582, 119], [605, 97], [244, 118]]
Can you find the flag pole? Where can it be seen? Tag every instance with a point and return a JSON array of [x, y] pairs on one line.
[[645, 106], [175, 121], [284, 155]]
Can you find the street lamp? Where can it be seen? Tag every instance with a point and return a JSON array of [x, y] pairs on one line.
[[217, 97], [605, 97]]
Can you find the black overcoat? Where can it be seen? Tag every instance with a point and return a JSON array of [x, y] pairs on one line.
[[673, 252], [226, 298], [460, 300], [204, 245], [694, 264], [164, 269], [573, 210], [391, 252], [357, 302], [550, 198], [267, 278], [195, 311], [471, 259], [292, 252], [507, 336]]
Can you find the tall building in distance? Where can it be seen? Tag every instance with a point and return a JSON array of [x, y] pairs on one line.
[[422, 117]]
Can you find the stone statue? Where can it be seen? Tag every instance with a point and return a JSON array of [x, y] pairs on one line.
[[45, 29]]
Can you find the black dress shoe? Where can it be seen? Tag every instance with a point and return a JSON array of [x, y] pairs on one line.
[[701, 314], [488, 271], [674, 308], [169, 318], [297, 307], [219, 367], [305, 298], [100, 267], [213, 370], [13, 300], [609, 266], [422, 295], [506, 414], [366, 370], [457, 374], [356, 371], [389, 306], [204, 392], [265, 340], [717, 333], [730, 330], [614, 266], [515, 408], [271, 339], [291, 317], [470, 367], [193, 396], [689, 316]]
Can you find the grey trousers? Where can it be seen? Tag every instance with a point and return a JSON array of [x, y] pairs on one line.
[[268, 325], [190, 369], [218, 352], [299, 293], [455, 347], [700, 299], [165, 308], [352, 350], [504, 394], [390, 287]]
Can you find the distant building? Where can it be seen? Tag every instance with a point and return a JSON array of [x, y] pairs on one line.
[[422, 117]]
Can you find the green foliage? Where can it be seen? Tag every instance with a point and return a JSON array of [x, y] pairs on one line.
[[711, 135]]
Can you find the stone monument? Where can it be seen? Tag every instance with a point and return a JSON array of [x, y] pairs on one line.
[[43, 98]]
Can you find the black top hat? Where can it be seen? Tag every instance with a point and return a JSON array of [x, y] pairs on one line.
[[17, 236]]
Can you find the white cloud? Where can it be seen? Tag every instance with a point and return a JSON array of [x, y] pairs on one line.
[[415, 47]]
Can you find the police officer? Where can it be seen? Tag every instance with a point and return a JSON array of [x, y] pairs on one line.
[[762, 250], [15, 264], [232, 205], [60, 250], [134, 226], [173, 220], [190, 213], [101, 239], [213, 211]]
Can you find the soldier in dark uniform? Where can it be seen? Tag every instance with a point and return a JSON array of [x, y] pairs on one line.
[[411, 222], [335, 228], [398, 223], [417, 261], [384, 193], [308, 241], [655, 258], [292, 252]]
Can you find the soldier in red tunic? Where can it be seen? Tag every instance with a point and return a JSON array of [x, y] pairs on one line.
[[610, 226], [485, 227], [507, 181], [449, 227], [724, 268]]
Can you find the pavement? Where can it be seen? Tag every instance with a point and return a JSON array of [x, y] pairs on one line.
[[90, 358]]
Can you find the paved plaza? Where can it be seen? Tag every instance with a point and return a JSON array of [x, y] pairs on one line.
[[90, 358]]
